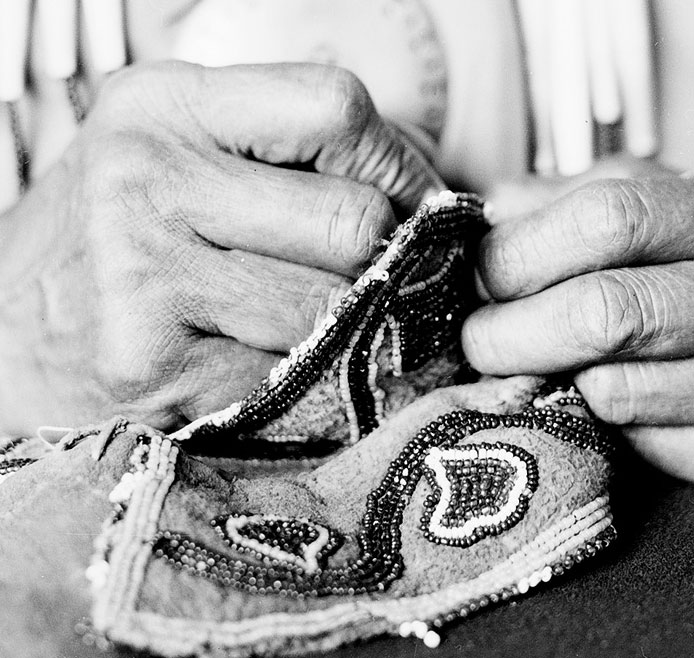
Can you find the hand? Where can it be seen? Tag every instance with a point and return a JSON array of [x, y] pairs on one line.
[[601, 282], [201, 223]]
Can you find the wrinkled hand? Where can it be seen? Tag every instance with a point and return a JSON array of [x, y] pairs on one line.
[[601, 282], [202, 222]]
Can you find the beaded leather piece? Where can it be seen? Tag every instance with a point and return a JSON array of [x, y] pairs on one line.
[[403, 315], [303, 562], [439, 510]]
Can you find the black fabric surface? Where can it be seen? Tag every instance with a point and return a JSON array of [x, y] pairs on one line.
[[636, 600]]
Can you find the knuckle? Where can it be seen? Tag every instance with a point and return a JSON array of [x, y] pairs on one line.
[[129, 166], [122, 88], [624, 207], [116, 85], [608, 392], [113, 166], [136, 90], [605, 316]]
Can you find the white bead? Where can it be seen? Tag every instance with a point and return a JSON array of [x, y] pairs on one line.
[[442, 199], [419, 629], [523, 586], [432, 639], [405, 629], [97, 573]]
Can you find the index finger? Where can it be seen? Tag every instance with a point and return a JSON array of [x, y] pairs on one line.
[[312, 116], [606, 224]]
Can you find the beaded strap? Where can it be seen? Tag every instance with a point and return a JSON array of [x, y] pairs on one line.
[[123, 547]]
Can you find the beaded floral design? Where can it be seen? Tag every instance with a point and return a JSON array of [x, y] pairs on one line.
[[479, 490], [270, 555], [412, 301]]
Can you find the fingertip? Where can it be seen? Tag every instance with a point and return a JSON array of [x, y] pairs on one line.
[[366, 222], [501, 267], [478, 343], [606, 388], [670, 449]]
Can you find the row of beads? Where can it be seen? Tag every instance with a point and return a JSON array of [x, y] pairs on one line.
[[396, 345], [377, 393], [9, 445], [588, 548], [590, 545], [152, 459], [561, 398], [558, 548], [10, 466], [436, 277]]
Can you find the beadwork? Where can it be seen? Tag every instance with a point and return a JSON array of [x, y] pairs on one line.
[[479, 490], [10, 466], [295, 541], [152, 463], [414, 296], [276, 566], [9, 462]]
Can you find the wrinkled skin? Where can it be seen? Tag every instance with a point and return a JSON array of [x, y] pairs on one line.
[[203, 220], [599, 281], [200, 224]]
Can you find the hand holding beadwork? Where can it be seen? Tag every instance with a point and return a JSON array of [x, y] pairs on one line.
[[601, 282], [200, 223]]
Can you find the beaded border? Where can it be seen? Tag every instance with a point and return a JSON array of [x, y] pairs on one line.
[[9, 463], [123, 547], [9, 467]]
